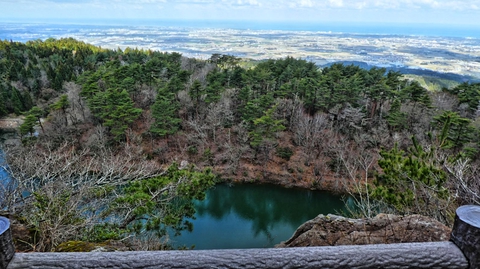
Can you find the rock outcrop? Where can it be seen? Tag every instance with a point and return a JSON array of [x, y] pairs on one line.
[[332, 230]]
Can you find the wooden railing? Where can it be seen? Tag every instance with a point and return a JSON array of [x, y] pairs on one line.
[[463, 251]]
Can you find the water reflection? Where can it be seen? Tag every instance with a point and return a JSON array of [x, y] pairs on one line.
[[5, 186], [247, 216]]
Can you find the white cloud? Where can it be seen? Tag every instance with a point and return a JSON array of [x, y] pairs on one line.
[[303, 10], [272, 4], [360, 5], [381, 4], [336, 3], [248, 3], [149, 1], [306, 3]]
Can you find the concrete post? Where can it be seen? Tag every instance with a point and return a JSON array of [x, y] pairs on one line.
[[466, 233], [7, 250]]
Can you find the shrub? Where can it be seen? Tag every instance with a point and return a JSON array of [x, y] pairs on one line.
[[284, 153]]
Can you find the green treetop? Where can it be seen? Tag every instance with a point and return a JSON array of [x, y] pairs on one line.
[[265, 128], [118, 111]]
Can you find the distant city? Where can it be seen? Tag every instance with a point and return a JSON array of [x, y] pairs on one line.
[[402, 50]]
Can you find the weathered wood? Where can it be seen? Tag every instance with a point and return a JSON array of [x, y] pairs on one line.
[[412, 255], [466, 233], [7, 250]]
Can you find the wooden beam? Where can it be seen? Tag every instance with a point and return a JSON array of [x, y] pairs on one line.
[[462, 252], [411, 255]]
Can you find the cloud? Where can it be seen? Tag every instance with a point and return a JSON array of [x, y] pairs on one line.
[[247, 3], [291, 10], [406, 4], [149, 1], [336, 3], [306, 3], [271, 4], [250, 2], [360, 5]]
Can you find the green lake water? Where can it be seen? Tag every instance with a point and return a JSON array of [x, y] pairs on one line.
[[254, 216]]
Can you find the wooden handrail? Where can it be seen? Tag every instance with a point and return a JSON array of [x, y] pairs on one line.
[[414, 255]]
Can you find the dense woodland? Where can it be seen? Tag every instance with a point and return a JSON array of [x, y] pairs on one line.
[[115, 144]]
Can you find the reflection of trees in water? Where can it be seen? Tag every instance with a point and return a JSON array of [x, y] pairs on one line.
[[7, 185], [267, 206]]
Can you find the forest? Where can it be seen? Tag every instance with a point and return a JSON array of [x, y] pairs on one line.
[[115, 144]]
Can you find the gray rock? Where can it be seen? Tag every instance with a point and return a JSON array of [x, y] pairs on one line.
[[332, 230]]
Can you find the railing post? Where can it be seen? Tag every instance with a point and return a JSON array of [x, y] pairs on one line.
[[466, 233], [7, 250]]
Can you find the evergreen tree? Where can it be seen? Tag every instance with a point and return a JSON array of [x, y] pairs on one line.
[[118, 112], [412, 182], [417, 94], [157, 203], [16, 101], [61, 105], [314, 95], [265, 128], [468, 94], [164, 111], [396, 119], [3, 101], [28, 125], [455, 130], [37, 113], [197, 94]]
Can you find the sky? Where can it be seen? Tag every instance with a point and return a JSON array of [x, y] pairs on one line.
[[447, 12]]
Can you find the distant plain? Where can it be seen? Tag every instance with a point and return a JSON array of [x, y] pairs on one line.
[[417, 51]]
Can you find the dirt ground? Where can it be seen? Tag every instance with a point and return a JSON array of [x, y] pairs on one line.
[[10, 123]]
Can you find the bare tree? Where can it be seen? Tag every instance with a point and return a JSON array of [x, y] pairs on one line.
[[289, 110], [199, 132], [464, 179], [59, 188], [77, 110], [358, 183], [220, 114], [308, 131], [443, 101], [186, 104], [145, 97]]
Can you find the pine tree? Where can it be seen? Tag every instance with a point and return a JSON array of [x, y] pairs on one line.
[[3, 101], [265, 128], [17, 101], [396, 119], [412, 182], [455, 130], [417, 94], [164, 111], [314, 95], [62, 104], [38, 113], [28, 125], [118, 112], [197, 93]]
